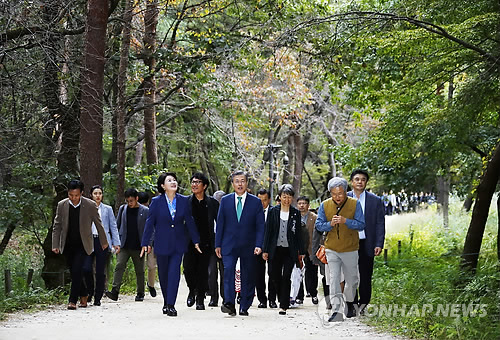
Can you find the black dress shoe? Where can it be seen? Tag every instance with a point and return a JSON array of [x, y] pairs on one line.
[[273, 304], [243, 312], [113, 295], [228, 308], [299, 301], [190, 301], [97, 302], [170, 310], [351, 312], [262, 305], [212, 303], [200, 306], [139, 297], [152, 291]]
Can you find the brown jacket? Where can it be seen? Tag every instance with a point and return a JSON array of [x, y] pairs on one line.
[[311, 220], [88, 214]]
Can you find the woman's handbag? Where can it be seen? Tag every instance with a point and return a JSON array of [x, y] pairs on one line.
[[321, 254]]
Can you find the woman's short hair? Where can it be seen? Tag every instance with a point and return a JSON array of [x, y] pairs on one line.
[[336, 182], [161, 180], [286, 189]]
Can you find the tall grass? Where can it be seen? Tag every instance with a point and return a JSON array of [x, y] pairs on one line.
[[427, 275], [22, 254]]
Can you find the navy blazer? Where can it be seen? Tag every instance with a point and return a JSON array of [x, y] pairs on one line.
[[239, 238], [374, 222], [170, 236]]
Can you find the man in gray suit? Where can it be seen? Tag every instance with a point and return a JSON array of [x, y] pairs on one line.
[[72, 236], [131, 220]]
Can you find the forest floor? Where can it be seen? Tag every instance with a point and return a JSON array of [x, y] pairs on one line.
[[127, 319]]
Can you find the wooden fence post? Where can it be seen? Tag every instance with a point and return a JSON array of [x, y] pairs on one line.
[[8, 282], [385, 257], [30, 278]]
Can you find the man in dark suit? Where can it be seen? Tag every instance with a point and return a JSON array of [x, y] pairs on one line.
[[240, 234], [260, 270], [371, 240], [130, 220], [204, 209], [72, 236]]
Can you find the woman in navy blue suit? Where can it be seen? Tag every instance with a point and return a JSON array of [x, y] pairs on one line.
[[169, 220]]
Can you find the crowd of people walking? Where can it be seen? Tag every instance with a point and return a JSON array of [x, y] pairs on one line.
[[237, 245], [402, 202]]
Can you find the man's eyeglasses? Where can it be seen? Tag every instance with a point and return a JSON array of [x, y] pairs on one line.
[[196, 182]]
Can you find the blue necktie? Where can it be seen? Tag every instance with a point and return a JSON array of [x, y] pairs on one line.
[[239, 208]]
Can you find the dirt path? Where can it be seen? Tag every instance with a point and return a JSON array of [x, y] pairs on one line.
[[127, 319]]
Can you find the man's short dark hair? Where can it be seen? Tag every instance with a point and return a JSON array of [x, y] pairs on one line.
[[239, 173], [143, 197], [303, 198], [201, 177], [360, 172], [75, 184], [131, 192], [264, 192], [161, 180]]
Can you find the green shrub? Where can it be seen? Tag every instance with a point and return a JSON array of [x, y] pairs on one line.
[[427, 273]]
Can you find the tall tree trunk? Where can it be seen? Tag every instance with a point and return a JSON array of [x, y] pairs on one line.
[[485, 191], [150, 23], [212, 173], [6, 237], [122, 106], [298, 167], [67, 132], [139, 150], [92, 94], [498, 234], [444, 198]]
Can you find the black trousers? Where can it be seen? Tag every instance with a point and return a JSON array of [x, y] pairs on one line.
[[281, 271], [196, 271], [101, 257], [76, 258], [260, 280], [365, 265], [215, 269], [311, 279]]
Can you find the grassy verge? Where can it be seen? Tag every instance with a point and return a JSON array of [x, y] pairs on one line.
[[421, 292]]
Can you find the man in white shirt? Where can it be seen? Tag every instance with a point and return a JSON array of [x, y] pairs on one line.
[[260, 265]]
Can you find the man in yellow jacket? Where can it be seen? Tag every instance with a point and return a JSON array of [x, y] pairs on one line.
[[342, 217]]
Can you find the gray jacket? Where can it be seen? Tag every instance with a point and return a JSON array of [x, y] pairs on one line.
[[121, 221]]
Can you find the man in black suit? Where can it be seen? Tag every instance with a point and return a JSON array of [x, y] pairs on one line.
[[371, 240], [204, 209], [260, 265]]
